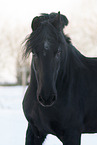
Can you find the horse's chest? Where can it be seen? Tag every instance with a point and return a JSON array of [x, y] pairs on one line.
[[48, 121]]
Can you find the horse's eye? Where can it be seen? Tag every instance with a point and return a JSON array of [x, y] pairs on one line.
[[35, 55], [58, 54]]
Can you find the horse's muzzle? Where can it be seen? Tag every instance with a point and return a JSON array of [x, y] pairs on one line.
[[47, 101]]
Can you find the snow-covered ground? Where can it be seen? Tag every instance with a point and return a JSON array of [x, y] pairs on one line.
[[13, 123]]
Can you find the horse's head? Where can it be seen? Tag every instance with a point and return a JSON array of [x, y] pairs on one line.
[[47, 53]]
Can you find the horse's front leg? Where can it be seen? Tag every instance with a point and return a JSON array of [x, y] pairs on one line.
[[32, 139], [71, 137]]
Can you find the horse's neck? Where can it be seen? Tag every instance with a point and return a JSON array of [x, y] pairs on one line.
[[76, 59], [72, 62]]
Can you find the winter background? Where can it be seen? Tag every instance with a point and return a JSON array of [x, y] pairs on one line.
[[15, 21]]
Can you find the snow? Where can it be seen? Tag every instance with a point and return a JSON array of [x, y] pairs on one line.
[[13, 124]]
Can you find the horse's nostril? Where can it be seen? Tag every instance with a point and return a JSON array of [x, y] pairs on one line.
[[53, 98], [41, 99]]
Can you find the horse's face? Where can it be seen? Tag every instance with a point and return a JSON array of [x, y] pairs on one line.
[[44, 42], [46, 66]]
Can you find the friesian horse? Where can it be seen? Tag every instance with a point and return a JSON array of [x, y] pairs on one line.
[[61, 98]]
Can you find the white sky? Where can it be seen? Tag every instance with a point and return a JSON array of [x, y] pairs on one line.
[[26, 9]]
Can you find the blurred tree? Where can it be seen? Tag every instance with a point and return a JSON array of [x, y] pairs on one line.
[[11, 53], [83, 26]]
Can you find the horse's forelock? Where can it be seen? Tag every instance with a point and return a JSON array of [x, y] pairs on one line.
[[38, 37]]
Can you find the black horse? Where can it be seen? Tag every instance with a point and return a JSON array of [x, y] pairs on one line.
[[61, 98]]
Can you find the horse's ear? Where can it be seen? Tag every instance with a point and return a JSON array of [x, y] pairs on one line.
[[64, 21], [60, 21], [35, 23]]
